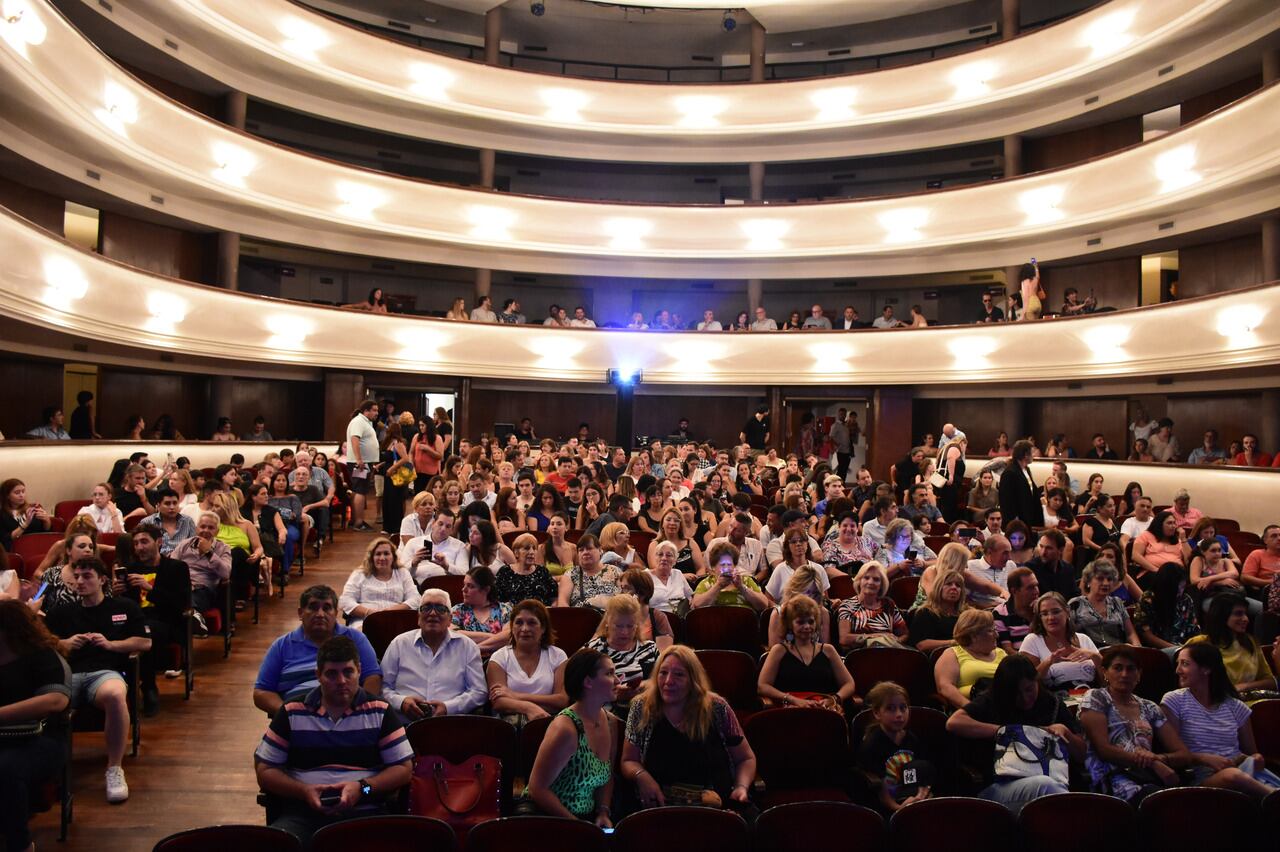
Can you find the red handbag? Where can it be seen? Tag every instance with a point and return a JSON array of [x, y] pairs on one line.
[[463, 795]]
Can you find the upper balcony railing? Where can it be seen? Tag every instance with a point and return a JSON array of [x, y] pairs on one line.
[[279, 52], [70, 109]]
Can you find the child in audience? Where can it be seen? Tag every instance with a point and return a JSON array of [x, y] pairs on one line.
[[892, 755]]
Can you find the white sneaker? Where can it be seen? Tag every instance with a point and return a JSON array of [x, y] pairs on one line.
[[172, 674], [117, 789]]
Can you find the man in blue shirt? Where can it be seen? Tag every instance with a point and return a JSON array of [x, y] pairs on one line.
[[288, 672], [52, 429]]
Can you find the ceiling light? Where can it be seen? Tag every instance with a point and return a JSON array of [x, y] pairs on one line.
[[430, 81], [729, 23], [627, 233], [834, 104], [1237, 325], [66, 281], [538, 8], [1107, 342], [119, 108], [564, 104], [1176, 169], [1041, 204], [287, 332], [302, 38], [359, 201], [20, 26], [972, 80], [1109, 34], [972, 350], [490, 223], [903, 225], [700, 110], [765, 234], [166, 310], [234, 163], [830, 357]]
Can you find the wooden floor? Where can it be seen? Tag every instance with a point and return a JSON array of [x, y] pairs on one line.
[[195, 767]]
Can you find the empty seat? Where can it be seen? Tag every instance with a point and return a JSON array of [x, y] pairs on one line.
[[733, 676], [450, 583], [842, 587], [703, 829], [1266, 730], [956, 824], [1046, 823], [1158, 676], [730, 628], [242, 838], [805, 826], [903, 590], [384, 625], [68, 509], [535, 832], [801, 753], [1192, 819], [573, 626], [906, 666], [389, 833]]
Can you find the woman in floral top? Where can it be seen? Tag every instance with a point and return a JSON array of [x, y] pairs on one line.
[[848, 546], [1123, 731], [480, 616], [1166, 616]]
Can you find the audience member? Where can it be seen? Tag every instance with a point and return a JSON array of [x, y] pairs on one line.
[[1018, 489], [1208, 452], [161, 586], [989, 312], [437, 553], [481, 617], [803, 670], [526, 676], [1226, 627], [51, 426], [1099, 614], [971, 661], [362, 455], [890, 753], [886, 319], [379, 583], [1250, 455], [870, 618], [994, 567]]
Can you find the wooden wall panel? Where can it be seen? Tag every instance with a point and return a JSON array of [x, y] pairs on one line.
[[47, 211], [1202, 105], [554, 413], [167, 251], [1079, 419], [124, 393], [1076, 146], [292, 409], [890, 430], [714, 418], [982, 420], [29, 386], [1116, 283], [1231, 414], [1220, 266]]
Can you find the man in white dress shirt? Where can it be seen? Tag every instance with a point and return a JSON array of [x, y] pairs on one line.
[[433, 671], [478, 489], [446, 555]]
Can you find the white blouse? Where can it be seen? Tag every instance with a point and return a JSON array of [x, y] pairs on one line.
[[367, 590], [667, 596], [104, 519], [543, 680]]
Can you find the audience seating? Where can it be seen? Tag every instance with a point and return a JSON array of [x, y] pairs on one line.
[[384, 625], [1158, 676], [903, 591], [1226, 526], [956, 824], [573, 626], [1266, 730], [58, 791], [906, 666], [242, 838], [527, 745], [940, 528], [842, 588], [68, 509], [1270, 651], [456, 738], [1271, 815], [936, 542], [33, 547], [731, 628], [390, 833], [641, 540], [703, 829], [451, 583], [801, 754], [572, 536], [533, 832], [733, 677], [1058, 823], [1192, 819], [20, 566], [806, 826]]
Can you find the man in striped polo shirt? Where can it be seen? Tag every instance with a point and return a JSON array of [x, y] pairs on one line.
[[338, 753]]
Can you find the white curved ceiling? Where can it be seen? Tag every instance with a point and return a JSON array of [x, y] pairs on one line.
[[277, 51], [46, 282]]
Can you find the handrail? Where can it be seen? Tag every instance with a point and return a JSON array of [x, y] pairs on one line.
[[47, 282], [1220, 169], [1034, 80]]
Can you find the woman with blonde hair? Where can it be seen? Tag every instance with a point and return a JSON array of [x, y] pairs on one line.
[[869, 617], [688, 552], [973, 658], [618, 638], [239, 534], [615, 541], [458, 311], [679, 732], [379, 583], [802, 582], [934, 623], [954, 557]]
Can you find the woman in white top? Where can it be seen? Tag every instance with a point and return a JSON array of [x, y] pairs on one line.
[[379, 583], [418, 521], [615, 541], [670, 586], [181, 483], [1064, 658], [483, 548], [106, 517], [526, 676]]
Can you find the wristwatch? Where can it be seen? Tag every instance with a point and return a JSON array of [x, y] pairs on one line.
[[365, 789]]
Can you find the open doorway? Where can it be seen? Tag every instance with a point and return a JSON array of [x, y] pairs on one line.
[[808, 425]]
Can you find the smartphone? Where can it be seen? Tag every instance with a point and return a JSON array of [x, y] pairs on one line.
[[40, 592], [427, 545], [966, 533], [910, 554], [607, 830], [330, 799]]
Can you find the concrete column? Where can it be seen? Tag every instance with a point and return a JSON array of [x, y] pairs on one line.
[[755, 295], [235, 105], [755, 172], [484, 282], [462, 411], [221, 394], [1014, 419], [1269, 422], [1271, 249], [757, 52], [1010, 18], [493, 36], [1012, 156], [1270, 66]]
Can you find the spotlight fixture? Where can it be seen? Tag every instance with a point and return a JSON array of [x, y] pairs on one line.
[[625, 377], [729, 22], [538, 8]]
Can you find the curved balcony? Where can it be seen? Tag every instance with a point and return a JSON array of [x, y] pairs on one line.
[[71, 110], [278, 52], [48, 283]]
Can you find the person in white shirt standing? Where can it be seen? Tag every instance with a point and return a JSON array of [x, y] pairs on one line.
[[362, 455]]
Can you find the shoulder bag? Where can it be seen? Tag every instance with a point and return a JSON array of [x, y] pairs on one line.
[[463, 795]]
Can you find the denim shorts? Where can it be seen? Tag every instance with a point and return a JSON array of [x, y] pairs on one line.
[[85, 685]]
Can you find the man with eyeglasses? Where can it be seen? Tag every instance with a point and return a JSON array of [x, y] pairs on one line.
[[434, 671], [288, 671], [989, 312]]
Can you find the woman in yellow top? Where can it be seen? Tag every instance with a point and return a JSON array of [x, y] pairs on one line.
[[1029, 286], [974, 656], [1227, 627], [239, 534]]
